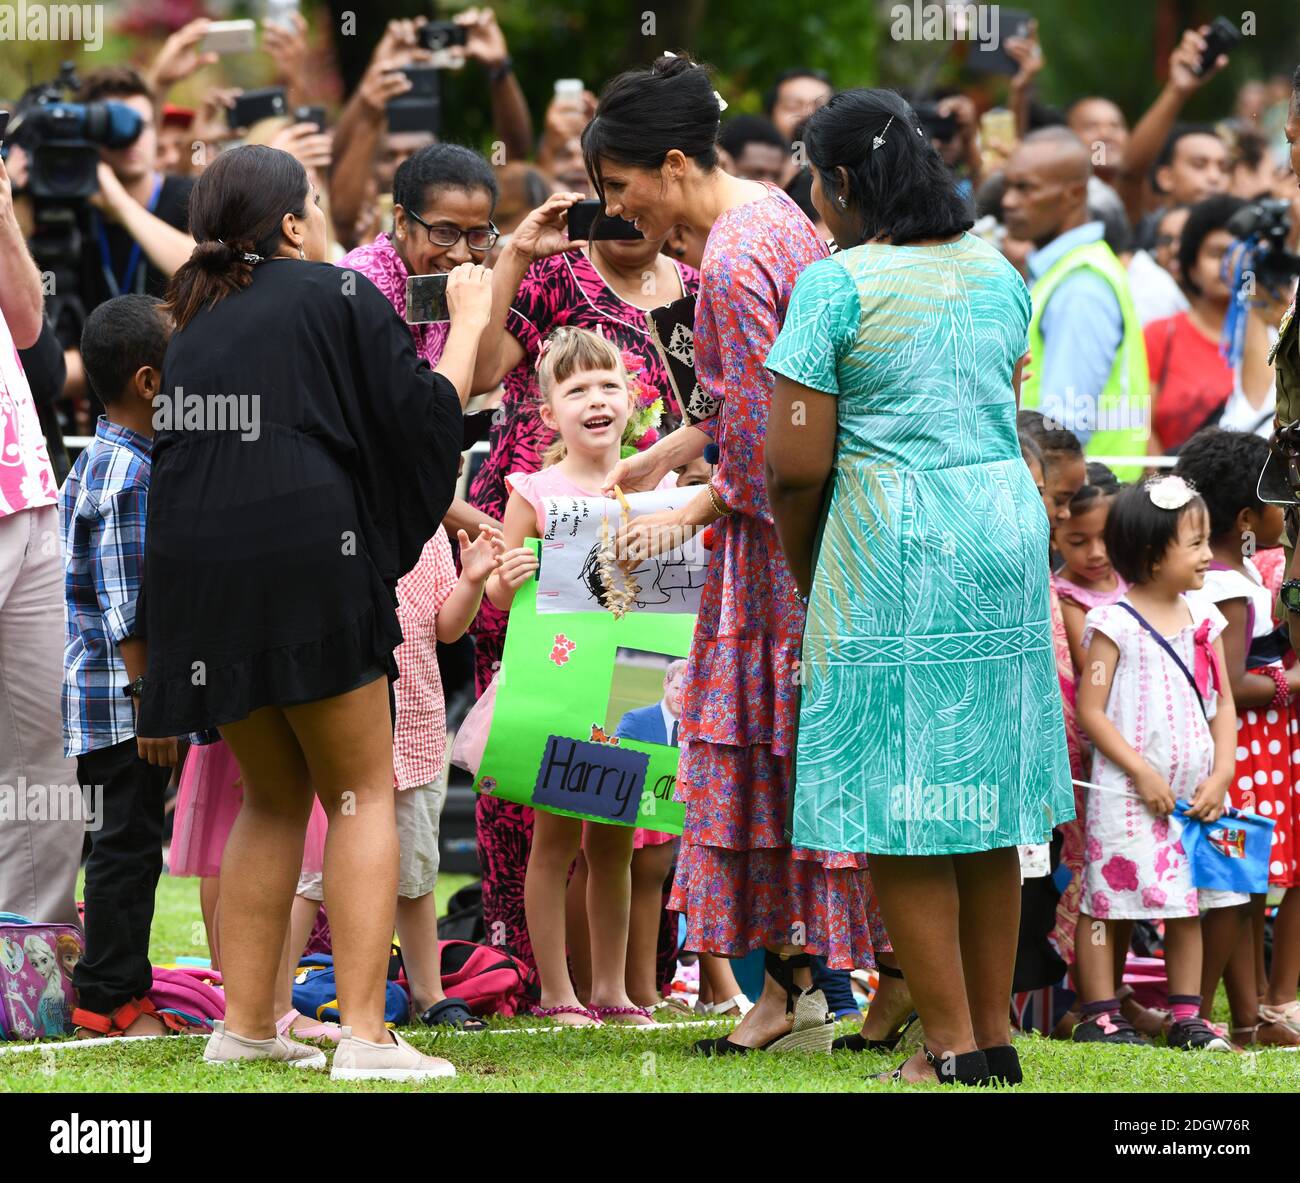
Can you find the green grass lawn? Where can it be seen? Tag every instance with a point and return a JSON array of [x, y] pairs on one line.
[[607, 1060]]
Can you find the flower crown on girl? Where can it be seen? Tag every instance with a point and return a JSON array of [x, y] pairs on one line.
[[1169, 492]]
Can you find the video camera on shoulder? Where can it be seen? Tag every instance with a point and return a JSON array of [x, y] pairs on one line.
[[1264, 227], [62, 139]]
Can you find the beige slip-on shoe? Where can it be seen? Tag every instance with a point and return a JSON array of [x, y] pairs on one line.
[[359, 1059], [225, 1047]]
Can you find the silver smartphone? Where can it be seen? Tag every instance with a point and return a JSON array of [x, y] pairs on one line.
[[426, 299], [230, 37]]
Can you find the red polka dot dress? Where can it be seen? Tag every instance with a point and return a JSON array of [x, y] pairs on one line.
[[1267, 777]]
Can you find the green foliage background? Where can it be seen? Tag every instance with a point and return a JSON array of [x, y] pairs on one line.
[[1114, 46]]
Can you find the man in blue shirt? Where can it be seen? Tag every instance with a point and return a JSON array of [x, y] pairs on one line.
[[1046, 203], [102, 508], [658, 723]]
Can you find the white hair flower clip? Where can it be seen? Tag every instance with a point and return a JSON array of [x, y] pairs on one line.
[[1169, 492], [722, 103]]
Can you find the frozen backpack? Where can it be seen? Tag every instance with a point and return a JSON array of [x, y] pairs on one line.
[[36, 963]]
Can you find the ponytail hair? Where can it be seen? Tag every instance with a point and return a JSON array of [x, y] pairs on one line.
[[236, 210], [644, 114], [568, 351]]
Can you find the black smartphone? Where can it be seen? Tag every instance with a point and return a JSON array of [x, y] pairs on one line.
[[442, 34], [4, 123], [255, 105], [315, 115], [1223, 37], [424, 82], [588, 221], [426, 299], [988, 55]]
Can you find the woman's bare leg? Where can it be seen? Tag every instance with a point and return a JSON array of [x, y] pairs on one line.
[[1285, 979], [260, 866], [988, 891], [302, 916], [919, 902], [348, 744]]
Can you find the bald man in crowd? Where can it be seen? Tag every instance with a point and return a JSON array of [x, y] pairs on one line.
[[1088, 367]]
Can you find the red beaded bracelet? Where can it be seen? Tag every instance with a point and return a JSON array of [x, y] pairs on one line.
[[1282, 696]]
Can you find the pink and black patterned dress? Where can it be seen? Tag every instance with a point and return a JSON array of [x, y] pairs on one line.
[[380, 263], [561, 290], [739, 882]]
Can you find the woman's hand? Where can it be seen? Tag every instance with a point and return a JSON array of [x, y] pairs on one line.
[[383, 80], [478, 559], [638, 473], [287, 47], [1154, 791], [469, 294], [180, 57], [542, 233], [650, 534], [307, 144], [516, 566], [1208, 803], [212, 122]]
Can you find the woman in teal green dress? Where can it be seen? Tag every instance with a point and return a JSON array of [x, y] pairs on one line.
[[930, 726]]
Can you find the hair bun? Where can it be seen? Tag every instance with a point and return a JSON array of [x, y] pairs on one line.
[[673, 65], [215, 257]]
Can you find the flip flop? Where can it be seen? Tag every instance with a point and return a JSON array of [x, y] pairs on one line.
[[452, 1012]]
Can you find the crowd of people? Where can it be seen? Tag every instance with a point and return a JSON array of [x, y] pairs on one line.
[[968, 649]]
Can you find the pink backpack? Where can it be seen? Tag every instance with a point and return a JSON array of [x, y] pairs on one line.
[[194, 994], [490, 981]]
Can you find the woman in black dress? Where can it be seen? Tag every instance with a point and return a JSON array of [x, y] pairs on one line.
[[305, 455]]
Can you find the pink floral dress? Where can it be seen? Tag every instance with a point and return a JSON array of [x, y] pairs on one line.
[[1135, 867], [739, 881]]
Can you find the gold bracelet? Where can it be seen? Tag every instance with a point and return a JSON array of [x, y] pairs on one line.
[[719, 505]]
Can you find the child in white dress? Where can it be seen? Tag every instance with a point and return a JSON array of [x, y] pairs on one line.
[[1153, 699]]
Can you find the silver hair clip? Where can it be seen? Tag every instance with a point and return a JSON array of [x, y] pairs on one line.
[[254, 259], [880, 139]]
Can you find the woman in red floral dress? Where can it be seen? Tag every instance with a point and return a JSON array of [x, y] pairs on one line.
[[739, 882]]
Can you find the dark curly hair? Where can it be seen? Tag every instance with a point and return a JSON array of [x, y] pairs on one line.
[[1049, 435], [1224, 466]]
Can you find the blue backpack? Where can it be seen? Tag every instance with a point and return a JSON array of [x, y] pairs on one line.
[[316, 995]]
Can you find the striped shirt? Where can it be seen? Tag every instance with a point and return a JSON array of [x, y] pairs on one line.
[[102, 511]]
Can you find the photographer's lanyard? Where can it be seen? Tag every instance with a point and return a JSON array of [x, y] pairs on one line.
[[133, 259]]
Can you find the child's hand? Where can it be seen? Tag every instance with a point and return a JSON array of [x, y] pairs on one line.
[[478, 559], [160, 752], [1154, 791], [1208, 804], [516, 566]]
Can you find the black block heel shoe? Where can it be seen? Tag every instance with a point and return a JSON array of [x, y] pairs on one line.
[[1004, 1064]]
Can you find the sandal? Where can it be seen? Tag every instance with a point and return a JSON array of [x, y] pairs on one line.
[[618, 1012], [549, 1012], [857, 1042], [1288, 1015], [812, 1028], [739, 1002], [117, 1022], [452, 1012], [313, 1030], [969, 1068]]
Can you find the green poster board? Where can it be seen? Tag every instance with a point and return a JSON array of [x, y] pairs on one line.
[[545, 746]]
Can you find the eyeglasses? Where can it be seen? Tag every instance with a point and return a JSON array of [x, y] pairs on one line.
[[445, 235]]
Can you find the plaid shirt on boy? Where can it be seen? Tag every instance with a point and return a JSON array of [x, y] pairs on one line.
[[102, 511]]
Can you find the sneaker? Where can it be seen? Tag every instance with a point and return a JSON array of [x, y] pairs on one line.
[[225, 1047], [1108, 1028], [359, 1059], [1195, 1034]]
